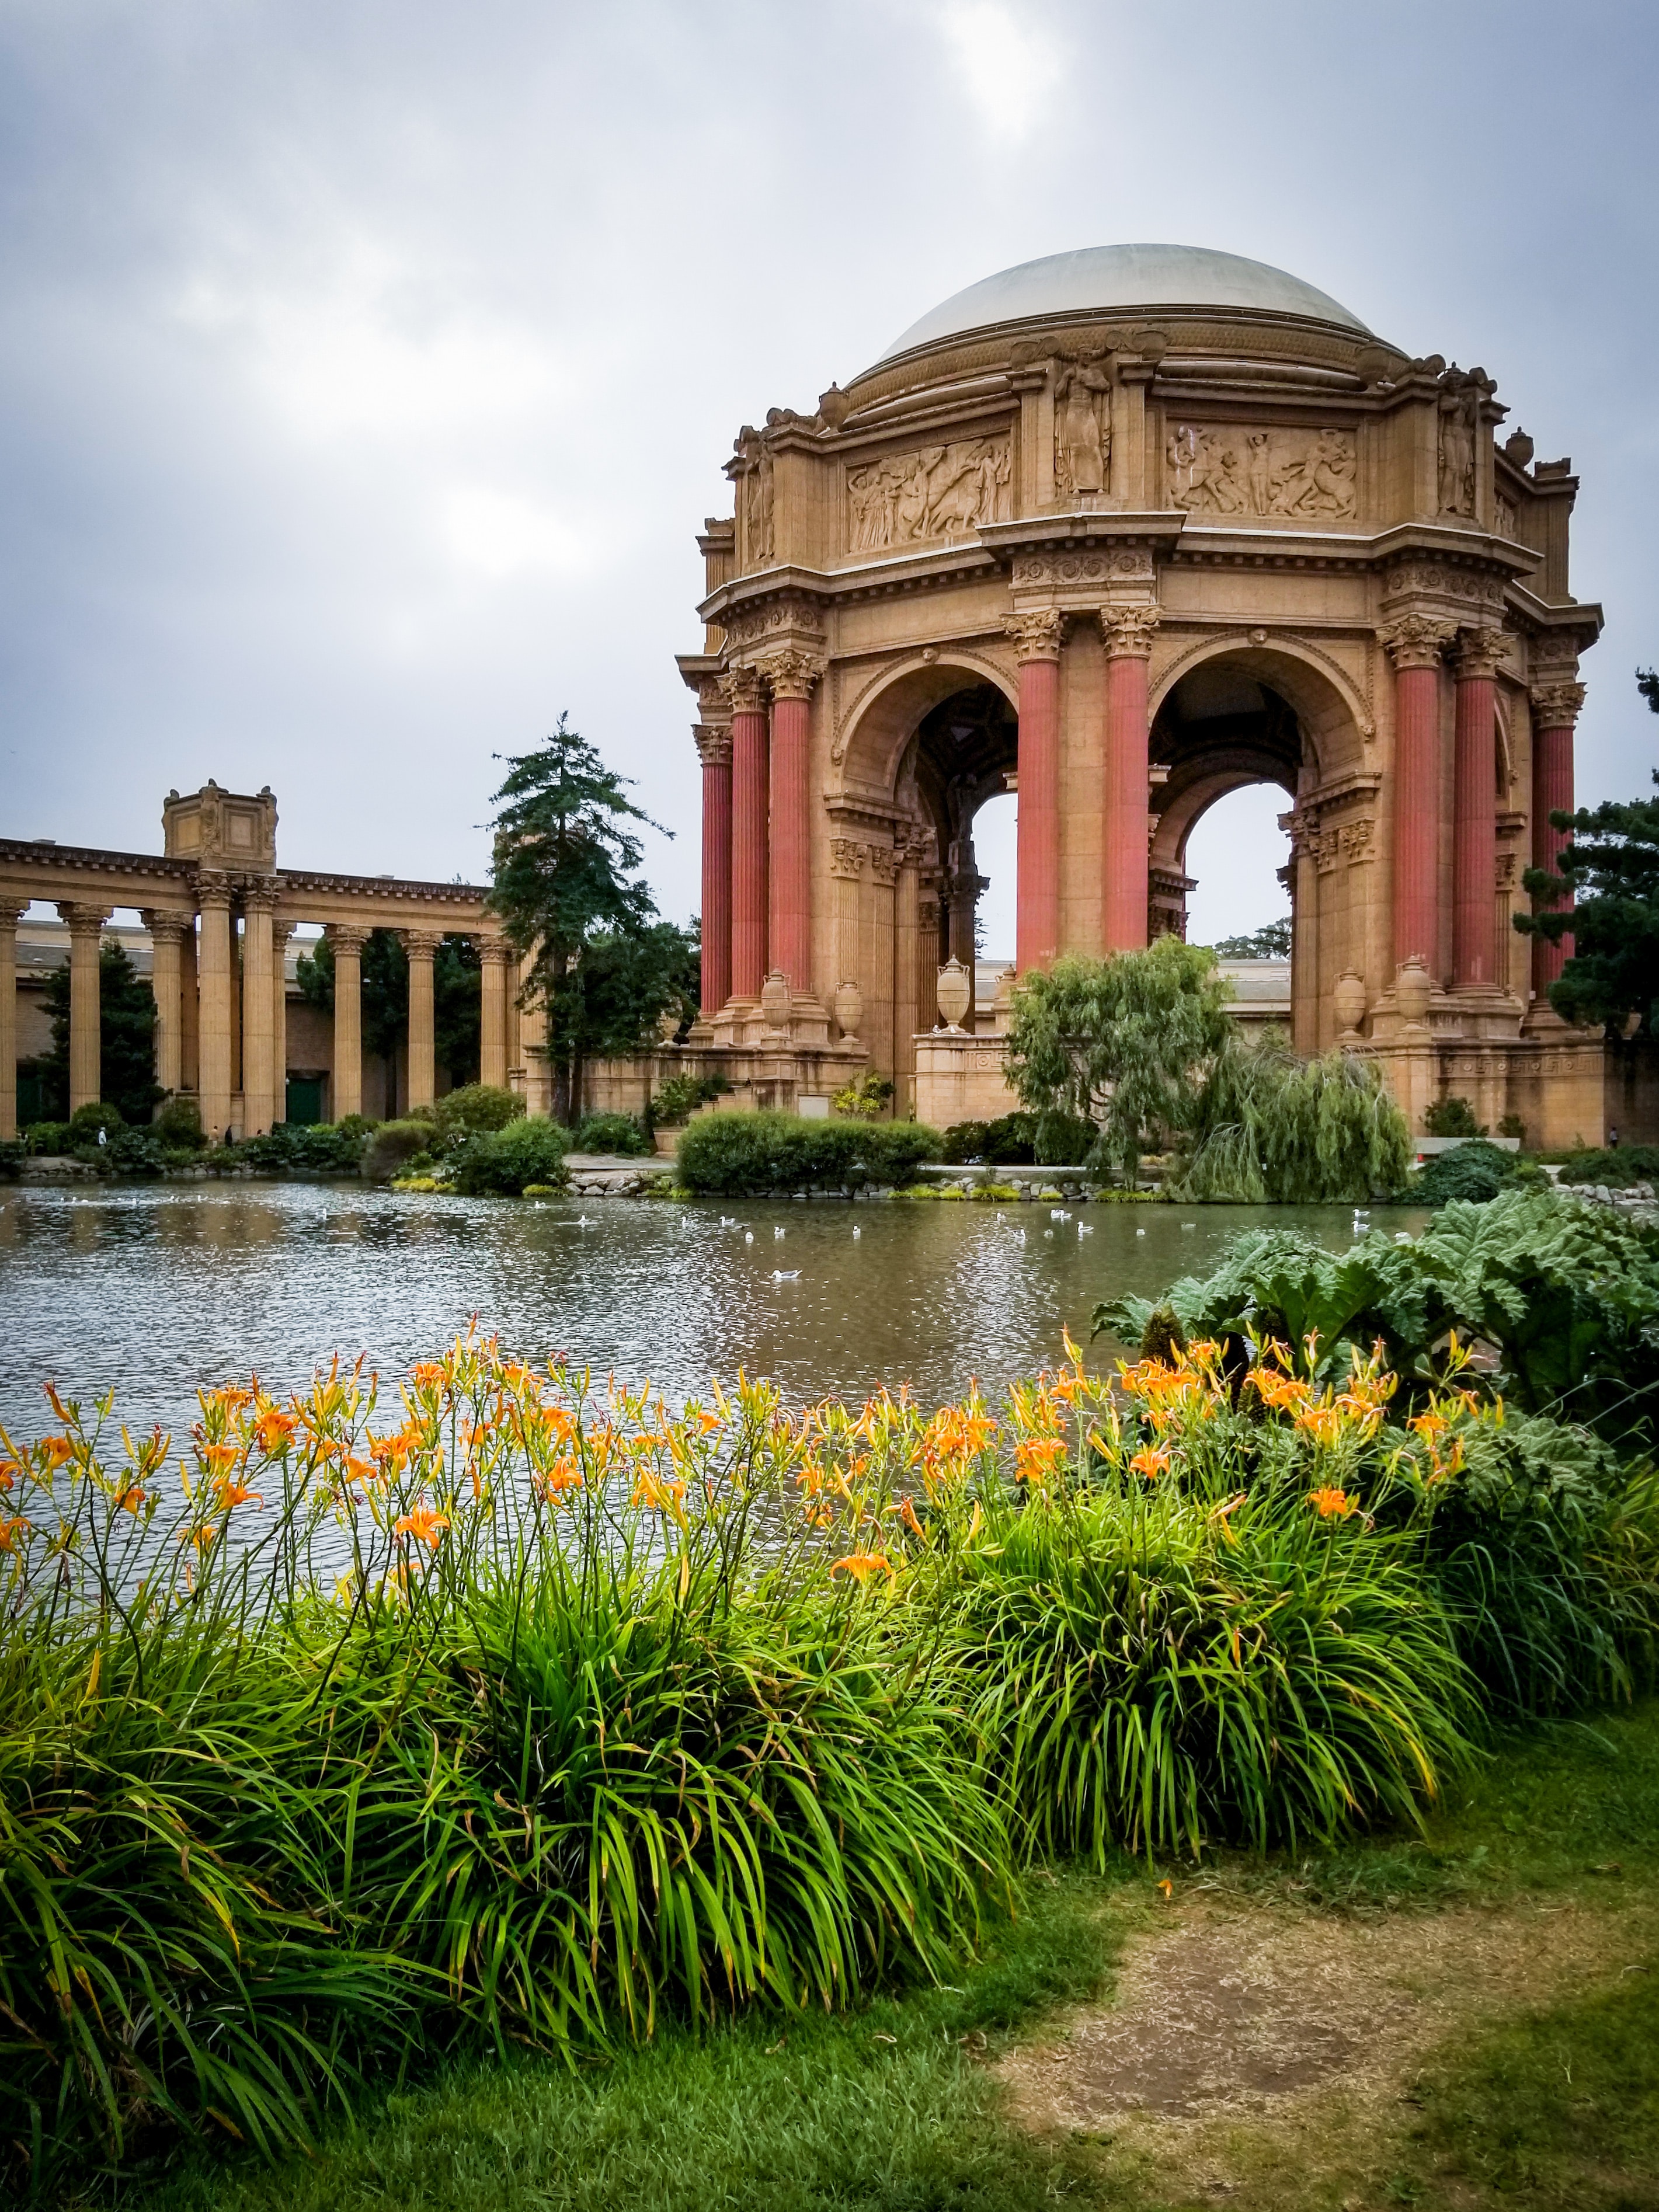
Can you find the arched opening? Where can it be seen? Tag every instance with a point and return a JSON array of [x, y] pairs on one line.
[[1228, 755], [964, 753]]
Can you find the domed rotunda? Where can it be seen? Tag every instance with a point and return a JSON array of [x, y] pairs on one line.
[[1121, 531]]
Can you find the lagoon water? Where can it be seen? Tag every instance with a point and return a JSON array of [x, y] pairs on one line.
[[158, 1290]]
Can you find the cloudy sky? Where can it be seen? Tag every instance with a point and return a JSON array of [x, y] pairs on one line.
[[367, 365]]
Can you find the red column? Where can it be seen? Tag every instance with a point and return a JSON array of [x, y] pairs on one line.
[[1474, 813], [714, 747], [749, 835], [1128, 632], [1037, 642], [792, 675], [1555, 714], [1417, 644]]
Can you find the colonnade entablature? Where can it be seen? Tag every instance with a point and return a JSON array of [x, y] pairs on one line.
[[1196, 526], [220, 912]]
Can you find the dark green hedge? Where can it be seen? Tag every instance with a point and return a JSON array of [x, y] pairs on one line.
[[739, 1155], [501, 1163]]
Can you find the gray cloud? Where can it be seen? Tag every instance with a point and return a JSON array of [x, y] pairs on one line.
[[366, 366]]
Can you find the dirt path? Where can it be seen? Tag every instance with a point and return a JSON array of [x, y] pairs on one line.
[[1246, 2045]]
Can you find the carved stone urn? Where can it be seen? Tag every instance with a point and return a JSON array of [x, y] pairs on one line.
[[955, 993], [1349, 1000], [848, 1010], [775, 1000], [1411, 988]]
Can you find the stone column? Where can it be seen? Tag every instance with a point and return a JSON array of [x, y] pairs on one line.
[[1037, 639], [1416, 644], [1555, 709], [714, 749], [86, 930], [792, 675], [1474, 812], [258, 1055], [1128, 632], [348, 942], [928, 952], [421, 945], [11, 911], [189, 1011], [280, 933], [213, 1030], [496, 955], [167, 936], [750, 833], [533, 1045]]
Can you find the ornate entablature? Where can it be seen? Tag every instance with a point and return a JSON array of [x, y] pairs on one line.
[[1120, 531]]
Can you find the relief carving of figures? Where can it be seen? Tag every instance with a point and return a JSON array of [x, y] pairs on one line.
[[1082, 431], [940, 491], [1460, 396], [1234, 469]]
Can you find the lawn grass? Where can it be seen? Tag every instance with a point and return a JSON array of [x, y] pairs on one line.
[[890, 2107]]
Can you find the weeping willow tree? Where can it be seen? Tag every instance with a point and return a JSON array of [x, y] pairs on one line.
[[1271, 1127]]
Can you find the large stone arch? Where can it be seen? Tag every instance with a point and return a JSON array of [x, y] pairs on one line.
[[1334, 712], [877, 717]]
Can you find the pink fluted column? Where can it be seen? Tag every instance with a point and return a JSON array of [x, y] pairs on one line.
[[714, 746], [750, 806], [1416, 644], [1037, 931], [1474, 813], [1128, 632], [792, 675], [1555, 715]]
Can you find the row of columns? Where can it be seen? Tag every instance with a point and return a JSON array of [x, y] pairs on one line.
[[1420, 647], [757, 831], [207, 1004]]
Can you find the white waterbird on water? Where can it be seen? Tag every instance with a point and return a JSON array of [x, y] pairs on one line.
[[728, 1221], [583, 1221], [856, 1234], [748, 1236], [777, 1235], [786, 1275], [1085, 1229]]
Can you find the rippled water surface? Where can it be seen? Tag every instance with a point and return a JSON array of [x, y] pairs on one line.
[[158, 1290]]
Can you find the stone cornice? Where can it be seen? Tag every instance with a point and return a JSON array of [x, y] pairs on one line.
[[1158, 527], [1446, 542], [1579, 620]]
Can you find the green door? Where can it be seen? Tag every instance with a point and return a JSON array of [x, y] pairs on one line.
[[305, 1099]]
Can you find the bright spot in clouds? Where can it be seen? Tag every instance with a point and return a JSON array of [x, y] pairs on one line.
[[1008, 66]]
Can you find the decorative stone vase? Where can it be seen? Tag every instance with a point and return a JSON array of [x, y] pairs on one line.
[[955, 993], [1349, 1000], [848, 1010], [775, 1000], [1411, 988]]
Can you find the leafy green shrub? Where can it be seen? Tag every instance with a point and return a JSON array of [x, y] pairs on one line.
[[1451, 1118], [612, 1133], [86, 1123], [1618, 1168], [731, 1155], [135, 1152], [473, 1108], [1012, 1140], [1475, 1171], [389, 1150], [963, 1142], [1273, 1127], [1063, 1141], [49, 1140], [499, 1163], [177, 1125], [329, 1148], [867, 1098], [681, 1095]]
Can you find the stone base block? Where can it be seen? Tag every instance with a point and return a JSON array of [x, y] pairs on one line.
[[960, 1078]]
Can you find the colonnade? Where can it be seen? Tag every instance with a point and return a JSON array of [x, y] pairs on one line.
[[222, 1006]]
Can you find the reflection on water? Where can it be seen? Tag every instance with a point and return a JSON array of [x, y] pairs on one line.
[[155, 1290]]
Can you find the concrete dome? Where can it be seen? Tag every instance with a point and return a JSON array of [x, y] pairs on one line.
[[1117, 278]]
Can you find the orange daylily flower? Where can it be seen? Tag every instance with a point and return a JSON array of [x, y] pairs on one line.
[[130, 1499], [860, 1565], [9, 1471], [274, 1429], [54, 1451], [1332, 1505], [658, 1496], [421, 1524], [9, 1530], [1035, 1458], [1149, 1462]]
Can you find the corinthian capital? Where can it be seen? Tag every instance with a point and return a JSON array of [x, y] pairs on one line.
[[1481, 651], [1129, 631], [1555, 706], [347, 938], [792, 673], [713, 742], [1037, 635], [1417, 640], [85, 920], [744, 691]]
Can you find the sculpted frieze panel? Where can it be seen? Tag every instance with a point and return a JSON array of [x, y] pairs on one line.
[[1119, 564], [937, 491], [1238, 470]]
